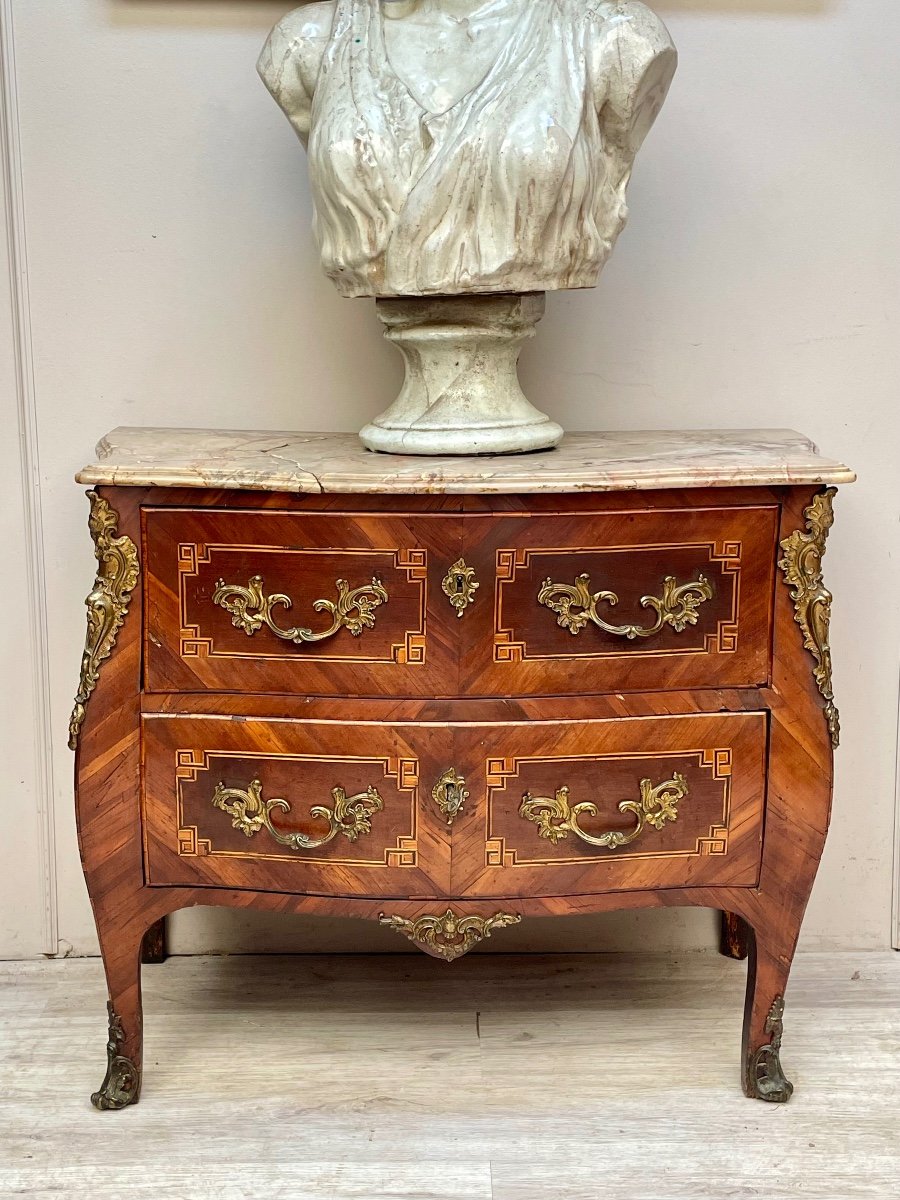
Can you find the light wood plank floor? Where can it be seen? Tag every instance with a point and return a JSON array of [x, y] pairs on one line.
[[397, 1077]]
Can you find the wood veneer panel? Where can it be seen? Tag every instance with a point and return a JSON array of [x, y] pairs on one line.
[[192, 643], [514, 644], [189, 842], [379, 710], [714, 840]]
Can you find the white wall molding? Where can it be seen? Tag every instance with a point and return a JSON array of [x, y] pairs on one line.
[[35, 606]]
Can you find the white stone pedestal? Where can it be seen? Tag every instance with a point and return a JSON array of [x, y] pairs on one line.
[[461, 394]]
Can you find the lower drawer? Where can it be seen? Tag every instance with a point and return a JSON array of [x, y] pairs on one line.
[[323, 807], [595, 806], [463, 808]]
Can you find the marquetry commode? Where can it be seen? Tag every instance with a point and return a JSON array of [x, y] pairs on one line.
[[452, 694]]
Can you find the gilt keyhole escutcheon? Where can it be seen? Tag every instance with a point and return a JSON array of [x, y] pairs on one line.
[[459, 585], [450, 794]]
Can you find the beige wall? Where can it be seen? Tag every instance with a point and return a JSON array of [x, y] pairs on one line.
[[171, 280]]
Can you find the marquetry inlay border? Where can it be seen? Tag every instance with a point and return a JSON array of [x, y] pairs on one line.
[[409, 652], [190, 764], [499, 771], [726, 555]]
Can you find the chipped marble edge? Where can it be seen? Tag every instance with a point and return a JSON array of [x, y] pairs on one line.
[[137, 457], [350, 484]]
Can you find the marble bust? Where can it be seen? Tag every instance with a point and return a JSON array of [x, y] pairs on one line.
[[468, 149]]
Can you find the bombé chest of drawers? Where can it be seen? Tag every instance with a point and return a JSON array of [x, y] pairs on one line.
[[451, 695]]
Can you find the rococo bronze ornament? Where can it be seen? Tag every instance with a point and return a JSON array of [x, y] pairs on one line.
[[802, 566], [556, 818], [576, 606], [449, 936], [121, 1085], [251, 608], [450, 794], [459, 585], [107, 604], [766, 1078], [350, 816]]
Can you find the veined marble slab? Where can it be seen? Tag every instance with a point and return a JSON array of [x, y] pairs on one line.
[[336, 462]]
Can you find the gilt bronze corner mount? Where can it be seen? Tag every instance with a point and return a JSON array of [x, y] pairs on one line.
[[802, 567], [121, 1085], [107, 603], [766, 1080]]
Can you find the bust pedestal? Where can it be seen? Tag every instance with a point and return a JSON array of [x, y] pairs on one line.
[[461, 394]]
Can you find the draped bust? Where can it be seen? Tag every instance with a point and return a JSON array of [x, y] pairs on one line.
[[469, 146]]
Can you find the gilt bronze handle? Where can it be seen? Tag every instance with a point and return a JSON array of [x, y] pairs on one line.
[[576, 607], [350, 816], [556, 818], [251, 608]]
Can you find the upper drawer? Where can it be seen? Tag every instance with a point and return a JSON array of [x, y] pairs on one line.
[[303, 603], [633, 601]]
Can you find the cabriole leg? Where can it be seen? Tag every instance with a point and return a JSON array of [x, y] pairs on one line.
[[767, 976], [121, 1085]]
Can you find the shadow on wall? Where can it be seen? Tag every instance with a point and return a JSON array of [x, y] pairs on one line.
[[263, 13]]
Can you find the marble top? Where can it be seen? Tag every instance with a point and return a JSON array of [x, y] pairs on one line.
[[337, 462]]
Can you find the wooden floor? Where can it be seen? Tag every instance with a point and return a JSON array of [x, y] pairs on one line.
[[515, 1078]]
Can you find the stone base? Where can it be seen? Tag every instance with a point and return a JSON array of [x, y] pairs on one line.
[[461, 394]]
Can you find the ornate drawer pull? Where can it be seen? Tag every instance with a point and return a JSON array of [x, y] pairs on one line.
[[556, 818], [251, 608], [450, 794], [576, 606], [459, 586], [350, 816]]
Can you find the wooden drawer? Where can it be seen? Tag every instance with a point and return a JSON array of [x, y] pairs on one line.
[[293, 806], [619, 601], [362, 604], [593, 806], [303, 603], [549, 807]]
